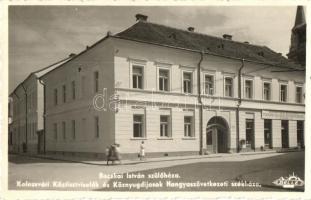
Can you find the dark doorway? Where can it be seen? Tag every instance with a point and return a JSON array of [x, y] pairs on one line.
[[217, 135], [268, 133], [284, 128], [300, 134]]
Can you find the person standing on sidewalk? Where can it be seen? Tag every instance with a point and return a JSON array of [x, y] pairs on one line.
[[142, 151]]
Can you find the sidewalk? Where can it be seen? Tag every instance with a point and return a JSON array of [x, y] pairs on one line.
[[148, 160]]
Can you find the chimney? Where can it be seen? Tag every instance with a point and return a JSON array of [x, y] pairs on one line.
[[191, 29], [227, 36], [72, 55], [141, 17]]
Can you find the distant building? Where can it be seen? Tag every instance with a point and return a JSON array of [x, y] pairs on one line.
[[179, 91], [297, 51], [26, 106]]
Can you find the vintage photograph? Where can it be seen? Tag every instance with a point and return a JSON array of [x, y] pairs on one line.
[[156, 98]]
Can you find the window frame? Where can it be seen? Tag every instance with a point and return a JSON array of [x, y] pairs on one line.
[[301, 94], [232, 86], [73, 129], [213, 84], [64, 90], [96, 126], [138, 65], [73, 90], [64, 130], [96, 81], [191, 81], [286, 92], [55, 93], [142, 126], [168, 124], [251, 88], [168, 78], [270, 90], [191, 124]]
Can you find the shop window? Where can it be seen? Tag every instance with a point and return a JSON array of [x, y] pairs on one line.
[[250, 133], [300, 134], [268, 133], [284, 130]]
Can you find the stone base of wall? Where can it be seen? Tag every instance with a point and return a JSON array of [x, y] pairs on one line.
[[102, 156]]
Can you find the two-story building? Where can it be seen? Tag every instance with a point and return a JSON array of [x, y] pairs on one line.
[[179, 91], [26, 107]]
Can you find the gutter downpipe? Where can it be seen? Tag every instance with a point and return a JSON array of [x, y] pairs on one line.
[[238, 108], [26, 117], [200, 102], [44, 113]]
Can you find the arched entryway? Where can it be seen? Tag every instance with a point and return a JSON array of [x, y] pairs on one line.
[[217, 131]]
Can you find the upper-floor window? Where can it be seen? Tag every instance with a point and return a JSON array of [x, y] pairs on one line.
[[55, 97], [96, 78], [138, 126], [163, 79], [164, 126], [248, 89], [96, 127], [64, 93], [228, 87], [137, 77], [209, 84], [73, 89], [187, 82], [283, 93], [266, 91], [188, 132], [298, 94]]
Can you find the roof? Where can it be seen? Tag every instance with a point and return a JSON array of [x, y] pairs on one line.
[[39, 73], [148, 32]]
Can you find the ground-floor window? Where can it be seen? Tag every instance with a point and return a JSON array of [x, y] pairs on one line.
[[300, 133], [250, 133], [138, 124], [268, 133], [188, 126], [284, 129], [164, 126]]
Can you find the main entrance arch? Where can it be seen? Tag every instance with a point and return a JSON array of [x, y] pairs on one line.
[[217, 131]]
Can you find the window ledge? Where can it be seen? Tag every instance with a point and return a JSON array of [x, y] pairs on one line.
[[188, 138], [138, 138], [165, 138]]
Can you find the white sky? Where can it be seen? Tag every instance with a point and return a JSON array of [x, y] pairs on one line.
[[42, 35]]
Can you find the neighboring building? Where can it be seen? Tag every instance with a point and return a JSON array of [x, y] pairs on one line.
[[297, 51], [26, 106], [157, 77]]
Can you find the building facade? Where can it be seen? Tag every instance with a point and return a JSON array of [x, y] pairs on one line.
[[26, 108], [179, 91]]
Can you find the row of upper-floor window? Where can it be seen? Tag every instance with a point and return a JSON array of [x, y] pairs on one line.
[[164, 82], [209, 82]]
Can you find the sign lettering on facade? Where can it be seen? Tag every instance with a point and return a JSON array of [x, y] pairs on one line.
[[265, 114]]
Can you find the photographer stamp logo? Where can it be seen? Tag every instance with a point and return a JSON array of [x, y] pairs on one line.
[[289, 182]]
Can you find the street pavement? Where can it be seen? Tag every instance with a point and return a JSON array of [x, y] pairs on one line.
[[260, 168]]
